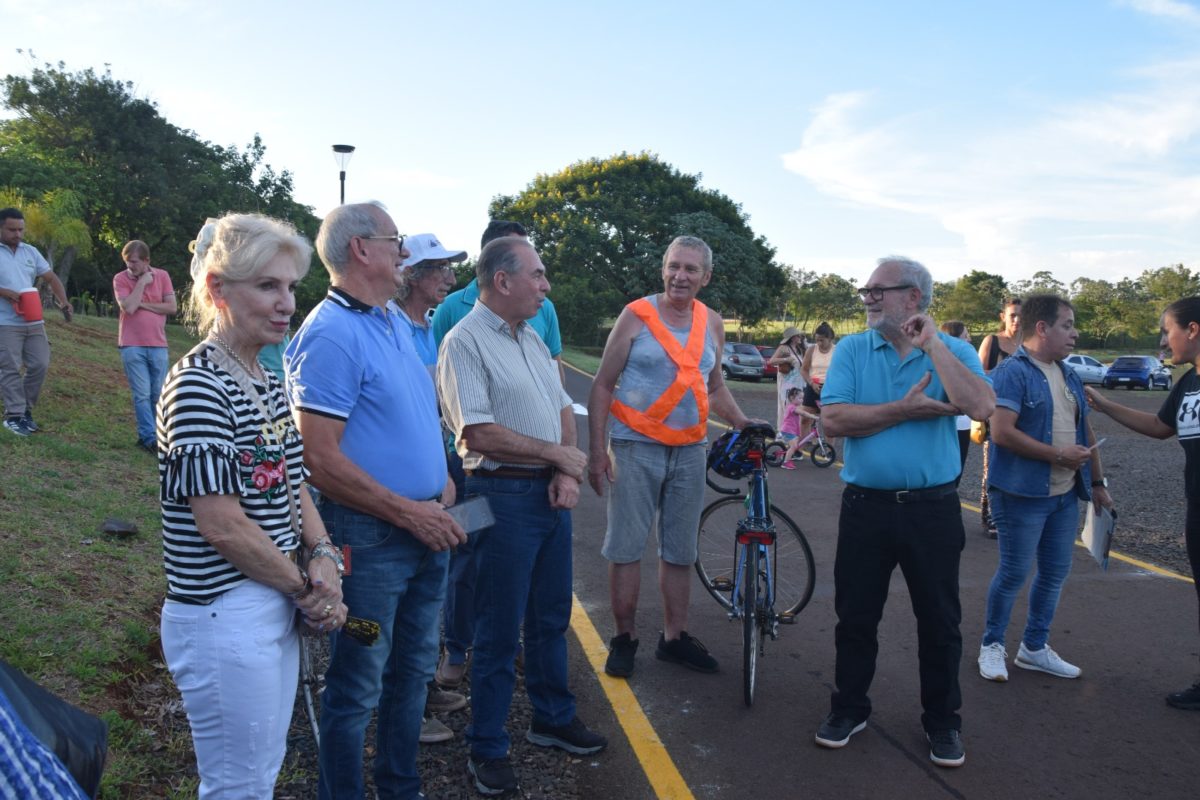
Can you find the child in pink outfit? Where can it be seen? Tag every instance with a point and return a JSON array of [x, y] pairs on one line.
[[790, 432]]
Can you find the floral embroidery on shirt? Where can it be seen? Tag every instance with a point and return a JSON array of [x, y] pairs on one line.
[[269, 464]]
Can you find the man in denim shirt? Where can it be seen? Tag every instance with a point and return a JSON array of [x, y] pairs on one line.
[[1043, 462]]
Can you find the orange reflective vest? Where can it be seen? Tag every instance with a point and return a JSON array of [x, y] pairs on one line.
[[651, 422]]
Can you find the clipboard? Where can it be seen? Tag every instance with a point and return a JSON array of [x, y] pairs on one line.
[[1097, 533]]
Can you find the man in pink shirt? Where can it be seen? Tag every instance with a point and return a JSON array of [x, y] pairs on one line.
[[146, 298]]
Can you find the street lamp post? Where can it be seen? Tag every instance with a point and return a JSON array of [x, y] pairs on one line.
[[341, 154]]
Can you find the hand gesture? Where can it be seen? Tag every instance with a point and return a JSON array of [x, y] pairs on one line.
[[919, 329], [570, 460], [918, 405], [600, 471], [563, 491]]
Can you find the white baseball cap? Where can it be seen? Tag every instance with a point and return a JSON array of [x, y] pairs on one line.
[[426, 247]]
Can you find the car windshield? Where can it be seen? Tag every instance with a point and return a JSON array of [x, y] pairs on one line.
[[1130, 362]]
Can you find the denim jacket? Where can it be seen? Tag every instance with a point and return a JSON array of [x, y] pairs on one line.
[[1022, 387]]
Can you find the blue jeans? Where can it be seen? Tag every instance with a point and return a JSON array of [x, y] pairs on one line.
[[145, 369], [398, 582], [1029, 527], [523, 571], [459, 616]]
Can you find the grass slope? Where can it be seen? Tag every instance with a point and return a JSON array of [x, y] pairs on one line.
[[81, 614]]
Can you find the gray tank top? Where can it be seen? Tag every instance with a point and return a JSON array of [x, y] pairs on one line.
[[649, 371]]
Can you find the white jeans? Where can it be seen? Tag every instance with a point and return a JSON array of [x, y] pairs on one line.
[[236, 663]]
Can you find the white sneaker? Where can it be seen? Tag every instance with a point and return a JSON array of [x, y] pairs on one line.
[[991, 662], [1045, 660]]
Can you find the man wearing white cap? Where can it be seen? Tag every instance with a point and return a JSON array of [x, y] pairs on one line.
[[426, 280]]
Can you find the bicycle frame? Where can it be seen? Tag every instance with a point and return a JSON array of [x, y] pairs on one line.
[[757, 530]]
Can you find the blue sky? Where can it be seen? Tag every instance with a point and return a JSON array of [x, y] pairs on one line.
[[1011, 137]]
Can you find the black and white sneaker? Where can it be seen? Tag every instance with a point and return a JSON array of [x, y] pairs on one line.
[[946, 748], [836, 730], [493, 776], [574, 737], [30, 425], [16, 425]]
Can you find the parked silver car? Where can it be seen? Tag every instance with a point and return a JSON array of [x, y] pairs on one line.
[[742, 361], [1087, 368]]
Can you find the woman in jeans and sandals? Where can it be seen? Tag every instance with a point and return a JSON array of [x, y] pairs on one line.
[[787, 358], [992, 350], [243, 545]]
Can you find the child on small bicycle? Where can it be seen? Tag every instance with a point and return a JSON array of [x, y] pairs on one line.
[[790, 431]]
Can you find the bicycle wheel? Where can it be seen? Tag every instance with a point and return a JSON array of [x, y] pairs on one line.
[[794, 571], [314, 658], [750, 621], [822, 454], [773, 454]]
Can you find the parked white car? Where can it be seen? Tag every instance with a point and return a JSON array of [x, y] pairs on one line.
[[1087, 368]]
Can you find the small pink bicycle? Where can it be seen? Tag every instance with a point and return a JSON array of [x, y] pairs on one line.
[[820, 452]]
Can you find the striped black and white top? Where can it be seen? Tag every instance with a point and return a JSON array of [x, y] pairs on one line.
[[212, 439]]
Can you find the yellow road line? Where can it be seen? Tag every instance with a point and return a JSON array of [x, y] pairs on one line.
[[656, 762], [1157, 570]]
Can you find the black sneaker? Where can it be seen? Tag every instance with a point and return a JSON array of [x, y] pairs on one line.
[[30, 425], [16, 425], [1187, 700], [621, 650], [836, 730], [686, 650], [574, 737], [946, 748], [149, 447], [492, 776]]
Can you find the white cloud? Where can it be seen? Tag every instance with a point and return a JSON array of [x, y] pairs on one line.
[[1124, 162], [1173, 9]]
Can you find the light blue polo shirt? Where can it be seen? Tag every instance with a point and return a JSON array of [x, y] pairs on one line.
[[458, 304], [916, 454], [357, 363], [18, 271]]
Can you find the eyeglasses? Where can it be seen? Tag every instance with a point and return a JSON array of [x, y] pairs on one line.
[[876, 292], [398, 238]]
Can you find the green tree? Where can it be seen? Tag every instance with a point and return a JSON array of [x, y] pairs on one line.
[[1165, 285], [601, 227], [1042, 282], [974, 298], [53, 224], [829, 298], [133, 173]]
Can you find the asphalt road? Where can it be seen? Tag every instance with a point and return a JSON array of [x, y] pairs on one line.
[[1107, 735]]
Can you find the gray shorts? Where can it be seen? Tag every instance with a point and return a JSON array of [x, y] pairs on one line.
[[656, 486]]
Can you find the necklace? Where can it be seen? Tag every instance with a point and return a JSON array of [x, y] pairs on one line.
[[254, 373]]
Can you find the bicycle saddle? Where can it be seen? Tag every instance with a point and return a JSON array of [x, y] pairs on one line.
[[759, 429]]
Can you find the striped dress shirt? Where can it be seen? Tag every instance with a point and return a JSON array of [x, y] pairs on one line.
[[484, 375]]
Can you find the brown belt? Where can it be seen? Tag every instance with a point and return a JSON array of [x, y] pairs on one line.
[[534, 474]]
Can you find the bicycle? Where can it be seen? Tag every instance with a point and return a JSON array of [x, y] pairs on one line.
[[748, 581], [821, 453], [314, 658]]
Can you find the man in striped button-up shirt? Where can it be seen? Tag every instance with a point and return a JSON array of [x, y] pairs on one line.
[[515, 429]]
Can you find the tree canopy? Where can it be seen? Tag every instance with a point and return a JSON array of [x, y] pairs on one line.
[[128, 173], [601, 227]]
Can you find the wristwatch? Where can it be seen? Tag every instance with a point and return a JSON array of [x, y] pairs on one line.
[[1101, 482]]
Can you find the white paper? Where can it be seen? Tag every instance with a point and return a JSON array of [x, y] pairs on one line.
[[1097, 533]]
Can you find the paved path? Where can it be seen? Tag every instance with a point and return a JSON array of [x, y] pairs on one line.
[[1106, 735]]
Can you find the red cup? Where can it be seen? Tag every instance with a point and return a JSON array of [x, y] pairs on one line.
[[30, 305]]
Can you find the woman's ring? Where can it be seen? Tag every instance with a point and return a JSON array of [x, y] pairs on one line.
[[328, 609]]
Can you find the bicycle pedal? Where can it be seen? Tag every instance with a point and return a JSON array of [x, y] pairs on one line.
[[722, 584], [786, 619]]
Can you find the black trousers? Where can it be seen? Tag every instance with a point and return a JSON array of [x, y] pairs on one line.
[[1192, 537], [925, 540]]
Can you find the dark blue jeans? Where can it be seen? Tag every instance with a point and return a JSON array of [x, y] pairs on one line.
[[398, 582], [523, 572], [925, 540], [459, 617]]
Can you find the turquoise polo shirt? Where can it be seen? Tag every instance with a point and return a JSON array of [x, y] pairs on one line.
[[458, 304], [916, 454], [357, 364]]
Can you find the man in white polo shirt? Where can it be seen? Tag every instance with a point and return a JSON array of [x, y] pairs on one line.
[[23, 341]]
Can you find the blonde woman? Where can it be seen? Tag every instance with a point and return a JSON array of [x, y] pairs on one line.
[[236, 520]]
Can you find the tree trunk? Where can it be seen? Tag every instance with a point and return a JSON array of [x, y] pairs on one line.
[[63, 268]]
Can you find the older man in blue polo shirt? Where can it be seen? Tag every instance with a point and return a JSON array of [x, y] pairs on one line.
[[893, 392], [368, 414]]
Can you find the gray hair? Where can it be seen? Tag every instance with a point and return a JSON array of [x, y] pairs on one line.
[[694, 243], [339, 227], [914, 274], [236, 247], [499, 255]]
